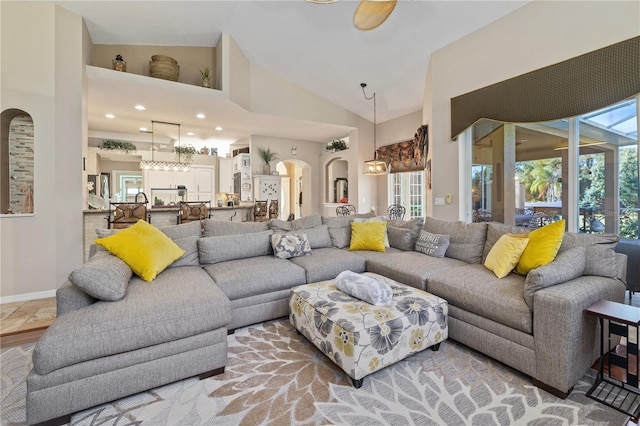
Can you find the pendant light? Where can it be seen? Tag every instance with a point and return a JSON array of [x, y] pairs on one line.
[[375, 166], [168, 166]]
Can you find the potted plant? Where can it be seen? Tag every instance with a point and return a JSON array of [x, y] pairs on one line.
[[185, 151], [267, 156], [116, 145], [205, 77], [119, 64], [337, 145]]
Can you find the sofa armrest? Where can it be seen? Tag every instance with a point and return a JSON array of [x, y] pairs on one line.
[[70, 298], [621, 267], [565, 335]]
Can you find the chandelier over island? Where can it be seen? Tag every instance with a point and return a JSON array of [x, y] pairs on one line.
[[169, 166]]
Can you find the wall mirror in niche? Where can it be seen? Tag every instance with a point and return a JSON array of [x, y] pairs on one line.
[[337, 189], [16, 162], [340, 189]]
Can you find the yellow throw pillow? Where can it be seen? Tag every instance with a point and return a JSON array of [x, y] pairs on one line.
[[505, 254], [543, 246], [368, 236], [144, 248]]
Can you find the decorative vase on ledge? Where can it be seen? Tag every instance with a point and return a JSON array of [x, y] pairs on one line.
[[266, 169], [119, 64]]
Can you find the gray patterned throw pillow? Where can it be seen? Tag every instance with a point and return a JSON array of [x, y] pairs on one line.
[[290, 245], [434, 245]]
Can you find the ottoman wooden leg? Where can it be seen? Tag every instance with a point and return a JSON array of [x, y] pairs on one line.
[[356, 383], [435, 347]]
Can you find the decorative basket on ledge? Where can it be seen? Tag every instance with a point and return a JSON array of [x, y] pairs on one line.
[[164, 67]]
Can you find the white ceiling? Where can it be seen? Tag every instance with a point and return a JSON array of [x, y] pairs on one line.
[[315, 46]]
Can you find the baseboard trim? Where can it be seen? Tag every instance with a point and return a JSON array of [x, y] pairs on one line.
[[28, 296]]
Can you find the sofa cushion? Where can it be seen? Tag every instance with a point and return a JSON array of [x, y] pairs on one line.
[[280, 225], [542, 248], [476, 289], [290, 245], [567, 266], [318, 236], [337, 222], [466, 240], [340, 237], [339, 230], [505, 254], [216, 228], [410, 267], [327, 263], [183, 230], [305, 222], [191, 256], [368, 236], [104, 277], [231, 247], [144, 248], [495, 230], [181, 302], [398, 236], [601, 261], [433, 245], [259, 275], [575, 239]]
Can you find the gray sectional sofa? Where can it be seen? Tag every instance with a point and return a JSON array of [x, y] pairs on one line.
[[175, 326]]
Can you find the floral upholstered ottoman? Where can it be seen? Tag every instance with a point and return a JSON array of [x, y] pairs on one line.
[[362, 338]]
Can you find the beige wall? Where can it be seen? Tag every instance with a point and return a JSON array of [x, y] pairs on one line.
[[539, 34], [190, 59], [43, 75], [308, 153], [393, 131]]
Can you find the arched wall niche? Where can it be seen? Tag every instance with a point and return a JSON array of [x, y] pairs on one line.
[[16, 162], [337, 173]]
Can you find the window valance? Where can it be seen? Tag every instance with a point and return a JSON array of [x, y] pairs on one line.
[[407, 156], [573, 87]]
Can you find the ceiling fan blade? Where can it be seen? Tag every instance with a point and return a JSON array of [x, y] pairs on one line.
[[371, 14]]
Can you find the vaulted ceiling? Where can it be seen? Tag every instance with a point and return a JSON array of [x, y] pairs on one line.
[[315, 46]]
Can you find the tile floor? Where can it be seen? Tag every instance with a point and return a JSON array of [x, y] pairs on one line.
[[29, 315]]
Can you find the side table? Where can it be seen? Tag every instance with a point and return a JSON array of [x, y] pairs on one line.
[[622, 394]]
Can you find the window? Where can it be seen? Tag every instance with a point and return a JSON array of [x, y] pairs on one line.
[[535, 157], [407, 189]]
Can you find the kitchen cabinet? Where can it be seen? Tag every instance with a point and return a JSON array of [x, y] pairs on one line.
[[225, 175], [199, 182], [204, 183]]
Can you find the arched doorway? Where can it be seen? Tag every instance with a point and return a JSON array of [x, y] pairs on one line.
[[296, 188]]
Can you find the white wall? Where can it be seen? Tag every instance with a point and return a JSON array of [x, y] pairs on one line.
[[42, 74], [539, 34]]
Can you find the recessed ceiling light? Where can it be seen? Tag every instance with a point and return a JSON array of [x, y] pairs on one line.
[[144, 129], [110, 116], [140, 107], [200, 116], [190, 133], [218, 128]]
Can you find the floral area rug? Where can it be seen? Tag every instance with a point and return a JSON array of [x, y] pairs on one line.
[[275, 377]]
